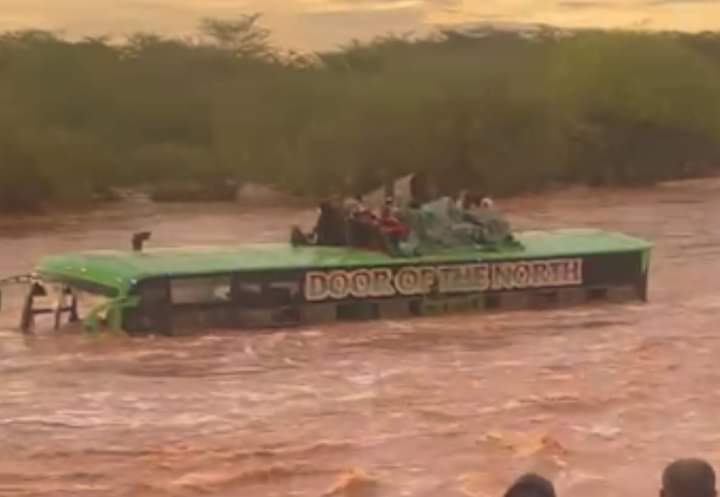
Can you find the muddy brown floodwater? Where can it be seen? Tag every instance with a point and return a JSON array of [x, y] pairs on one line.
[[599, 398]]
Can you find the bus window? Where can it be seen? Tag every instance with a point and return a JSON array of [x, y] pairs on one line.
[[282, 293], [248, 294], [265, 295], [153, 292], [200, 290]]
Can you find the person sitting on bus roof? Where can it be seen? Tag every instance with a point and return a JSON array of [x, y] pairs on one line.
[[362, 227], [471, 200], [493, 227], [390, 224], [330, 229], [420, 190]]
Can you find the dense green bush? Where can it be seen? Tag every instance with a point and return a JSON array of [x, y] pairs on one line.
[[499, 111]]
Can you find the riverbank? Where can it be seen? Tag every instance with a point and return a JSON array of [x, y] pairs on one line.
[[498, 111]]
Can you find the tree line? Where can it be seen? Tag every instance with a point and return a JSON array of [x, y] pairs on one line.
[[501, 111]]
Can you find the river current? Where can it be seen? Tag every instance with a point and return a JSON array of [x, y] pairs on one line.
[[599, 398]]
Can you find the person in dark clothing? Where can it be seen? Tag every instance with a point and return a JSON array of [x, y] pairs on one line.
[[419, 190], [330, 228], [531, 485], [362, 227], [688, 478]]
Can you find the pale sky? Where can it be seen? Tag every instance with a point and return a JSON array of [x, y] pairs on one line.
[[316, 24]]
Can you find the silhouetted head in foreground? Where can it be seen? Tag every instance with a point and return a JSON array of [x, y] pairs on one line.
[[688, 478], [531, 485]]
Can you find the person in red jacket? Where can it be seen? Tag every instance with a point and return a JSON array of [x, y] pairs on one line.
[[390, 225]]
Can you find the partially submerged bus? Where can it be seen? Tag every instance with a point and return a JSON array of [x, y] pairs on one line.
[[169, 290]]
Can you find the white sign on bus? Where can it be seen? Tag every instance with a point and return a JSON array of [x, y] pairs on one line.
[[451, 278]]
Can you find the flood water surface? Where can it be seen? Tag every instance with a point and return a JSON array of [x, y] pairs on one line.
[[599, 398]]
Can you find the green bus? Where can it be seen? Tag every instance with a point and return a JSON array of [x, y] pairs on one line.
[[169, 290]]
